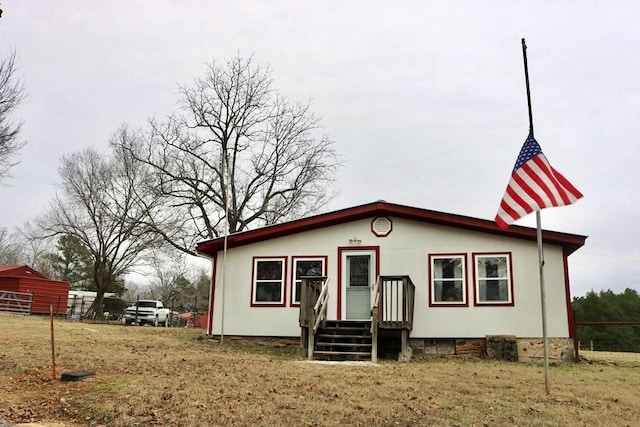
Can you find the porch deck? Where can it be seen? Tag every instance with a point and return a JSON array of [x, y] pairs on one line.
[[391, 310]]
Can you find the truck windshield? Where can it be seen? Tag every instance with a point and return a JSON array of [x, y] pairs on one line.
[[151, 304]]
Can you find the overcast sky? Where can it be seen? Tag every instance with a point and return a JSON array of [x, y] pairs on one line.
[[425, 99]]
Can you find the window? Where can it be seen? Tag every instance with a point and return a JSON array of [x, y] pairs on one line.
[[305, 266], [493, 279], [268, 281], [448, 282], [358, 270]]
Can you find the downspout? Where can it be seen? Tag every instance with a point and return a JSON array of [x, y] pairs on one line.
[[211, 289]]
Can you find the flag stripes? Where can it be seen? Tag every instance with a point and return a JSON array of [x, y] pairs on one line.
[[534, 185]]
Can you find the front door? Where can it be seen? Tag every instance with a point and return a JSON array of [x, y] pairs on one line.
[[358, 276]]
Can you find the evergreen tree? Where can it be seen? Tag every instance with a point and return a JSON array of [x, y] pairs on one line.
[[606, 306], [72, 262]]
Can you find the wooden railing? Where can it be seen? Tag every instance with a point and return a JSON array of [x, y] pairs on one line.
[[314, 301], [393, 306], [375, 319], [396, 302]]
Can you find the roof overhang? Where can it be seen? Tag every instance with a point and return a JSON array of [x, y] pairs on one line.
[[569, 242]]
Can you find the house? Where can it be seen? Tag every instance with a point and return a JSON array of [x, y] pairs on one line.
[[440, 283], [25, 290]]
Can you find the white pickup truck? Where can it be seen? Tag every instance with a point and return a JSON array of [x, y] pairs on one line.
[[151, 312]]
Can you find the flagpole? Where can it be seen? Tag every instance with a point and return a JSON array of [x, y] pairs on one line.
[[227, 176], [526, 79], [545, 342], [543, 302]]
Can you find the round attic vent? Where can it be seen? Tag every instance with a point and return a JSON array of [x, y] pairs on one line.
[[381, 226]]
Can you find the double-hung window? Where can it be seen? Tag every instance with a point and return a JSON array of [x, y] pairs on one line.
[[268, 281], [493, 283], [448, 284], [305, 266]]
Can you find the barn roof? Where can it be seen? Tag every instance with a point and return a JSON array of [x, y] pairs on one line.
[[569, 242], [20, 271], [5, 268]]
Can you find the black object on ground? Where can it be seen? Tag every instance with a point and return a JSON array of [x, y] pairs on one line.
[[77, 375]]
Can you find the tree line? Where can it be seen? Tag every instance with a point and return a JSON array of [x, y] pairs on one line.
[[236, 155], [607, 306]]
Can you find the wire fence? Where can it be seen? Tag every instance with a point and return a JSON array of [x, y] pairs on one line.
[[609, 356], [609, 341]]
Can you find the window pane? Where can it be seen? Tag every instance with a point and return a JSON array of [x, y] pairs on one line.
[[358, 266], [493, 279], [269, 281], [494, 290], [448, 290], [298, 291], [269, 292], [448, 281], [447, 268], [308, 268], [305, 268], [492, 267], [269, 270]]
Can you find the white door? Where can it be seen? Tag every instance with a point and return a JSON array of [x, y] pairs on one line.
[[358, 276]]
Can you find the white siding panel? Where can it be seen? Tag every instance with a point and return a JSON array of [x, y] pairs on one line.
[[403, 252]]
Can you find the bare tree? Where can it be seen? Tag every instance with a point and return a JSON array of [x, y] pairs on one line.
[[98, 204], [180, 286], [35, 250], [11, 248], [11, 95], [169, 280], [18, 247], [239, 153]]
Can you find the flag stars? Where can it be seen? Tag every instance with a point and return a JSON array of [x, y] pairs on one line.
[[530, 149], [534, 185]]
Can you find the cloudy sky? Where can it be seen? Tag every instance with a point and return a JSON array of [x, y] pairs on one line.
[[425, 99]]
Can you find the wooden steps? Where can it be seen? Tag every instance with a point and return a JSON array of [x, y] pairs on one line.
[[343, 340]]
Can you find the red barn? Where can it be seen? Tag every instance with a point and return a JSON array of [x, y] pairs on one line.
[[46, 292]]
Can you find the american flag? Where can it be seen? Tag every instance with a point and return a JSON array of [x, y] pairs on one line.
[[534, 185]]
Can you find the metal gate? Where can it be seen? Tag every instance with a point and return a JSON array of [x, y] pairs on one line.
[[16, 302]]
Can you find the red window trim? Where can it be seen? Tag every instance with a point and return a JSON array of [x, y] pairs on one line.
[[284, 281], [294, 258], [430, 301], [476, 301], [341, 249]]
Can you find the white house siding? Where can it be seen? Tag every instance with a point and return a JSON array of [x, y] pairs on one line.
[[404, 251]]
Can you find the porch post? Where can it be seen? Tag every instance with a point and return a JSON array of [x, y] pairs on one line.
[[405, 356]]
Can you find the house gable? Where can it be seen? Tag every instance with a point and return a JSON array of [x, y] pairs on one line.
[[570, 242]]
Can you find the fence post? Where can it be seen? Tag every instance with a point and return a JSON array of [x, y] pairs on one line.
[[53, 345], [171, 314]]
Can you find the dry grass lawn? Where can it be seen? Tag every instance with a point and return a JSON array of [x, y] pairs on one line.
[[177, 377]]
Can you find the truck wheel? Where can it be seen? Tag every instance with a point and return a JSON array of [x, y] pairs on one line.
[[155, 322]]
